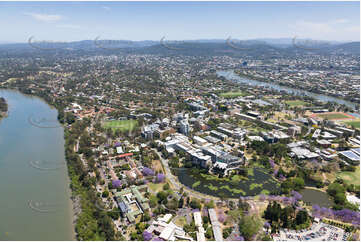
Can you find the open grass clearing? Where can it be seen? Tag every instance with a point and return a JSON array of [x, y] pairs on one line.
[[122, 125], [354, 124], [180, 221], [156, 187], [351, 177], [296, 103], [334, 116], [233, 94]]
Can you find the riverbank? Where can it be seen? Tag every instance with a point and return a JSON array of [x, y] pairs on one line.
[[3, 108], [314, 91], [232, 76]]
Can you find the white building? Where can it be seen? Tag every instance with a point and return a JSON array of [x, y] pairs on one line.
[[198, 222], [216, 226]]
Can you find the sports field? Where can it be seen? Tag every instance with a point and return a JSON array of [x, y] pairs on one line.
[[233, 94], [122, 125], [355, 124], [351, 177], [296, 103], [335, 116]]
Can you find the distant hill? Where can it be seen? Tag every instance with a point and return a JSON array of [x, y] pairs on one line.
[[267, 48], [349, 48]]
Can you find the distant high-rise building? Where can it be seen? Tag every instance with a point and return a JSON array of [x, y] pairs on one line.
[[184, 127]]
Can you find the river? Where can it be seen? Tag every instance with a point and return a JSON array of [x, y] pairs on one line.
[[232, 76], [35, 196]]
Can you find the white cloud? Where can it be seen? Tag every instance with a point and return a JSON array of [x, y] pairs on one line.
[[106, 8], [45, 17], [337, 29], [68, 26], [311, 28]]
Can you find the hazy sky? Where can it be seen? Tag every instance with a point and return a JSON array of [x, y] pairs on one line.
[[69, 21]]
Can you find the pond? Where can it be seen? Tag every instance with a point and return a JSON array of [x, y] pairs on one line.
[[314, 196], [257, 182]]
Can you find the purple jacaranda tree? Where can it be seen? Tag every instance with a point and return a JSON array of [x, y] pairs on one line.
[[355, 237], [296, 195], [160, 178], [147, 171], [221, 216], [147, 235], [157, 239], [278, 198], [275, 172], [239, 238], [347, 215], [286, 200], [117, 144], [272, 163], [205, 212], [316, 211], [324, 211], [299, 208], [316, 207], [248, 198], [267, 225], [116, 183], [262, 197], [282, 177], [356, 223]]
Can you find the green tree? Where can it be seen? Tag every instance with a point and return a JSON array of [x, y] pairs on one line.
[[301, 217], [249, 226], [105, 194], [209, 233]]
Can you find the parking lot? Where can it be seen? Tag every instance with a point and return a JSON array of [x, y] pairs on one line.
[[318, 231]]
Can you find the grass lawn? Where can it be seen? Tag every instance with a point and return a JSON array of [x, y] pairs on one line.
[[157, 166], [331, 116], [180, 221], [156, 187], [122, 125], [295, 103], [355, 124], [233, 94], [351, 177]]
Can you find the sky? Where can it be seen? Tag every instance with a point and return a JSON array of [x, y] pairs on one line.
[[74, 21]]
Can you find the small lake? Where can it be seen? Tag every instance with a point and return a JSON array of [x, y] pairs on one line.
[[313, 196], [232, 76], [35, 197], [257, 182]]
